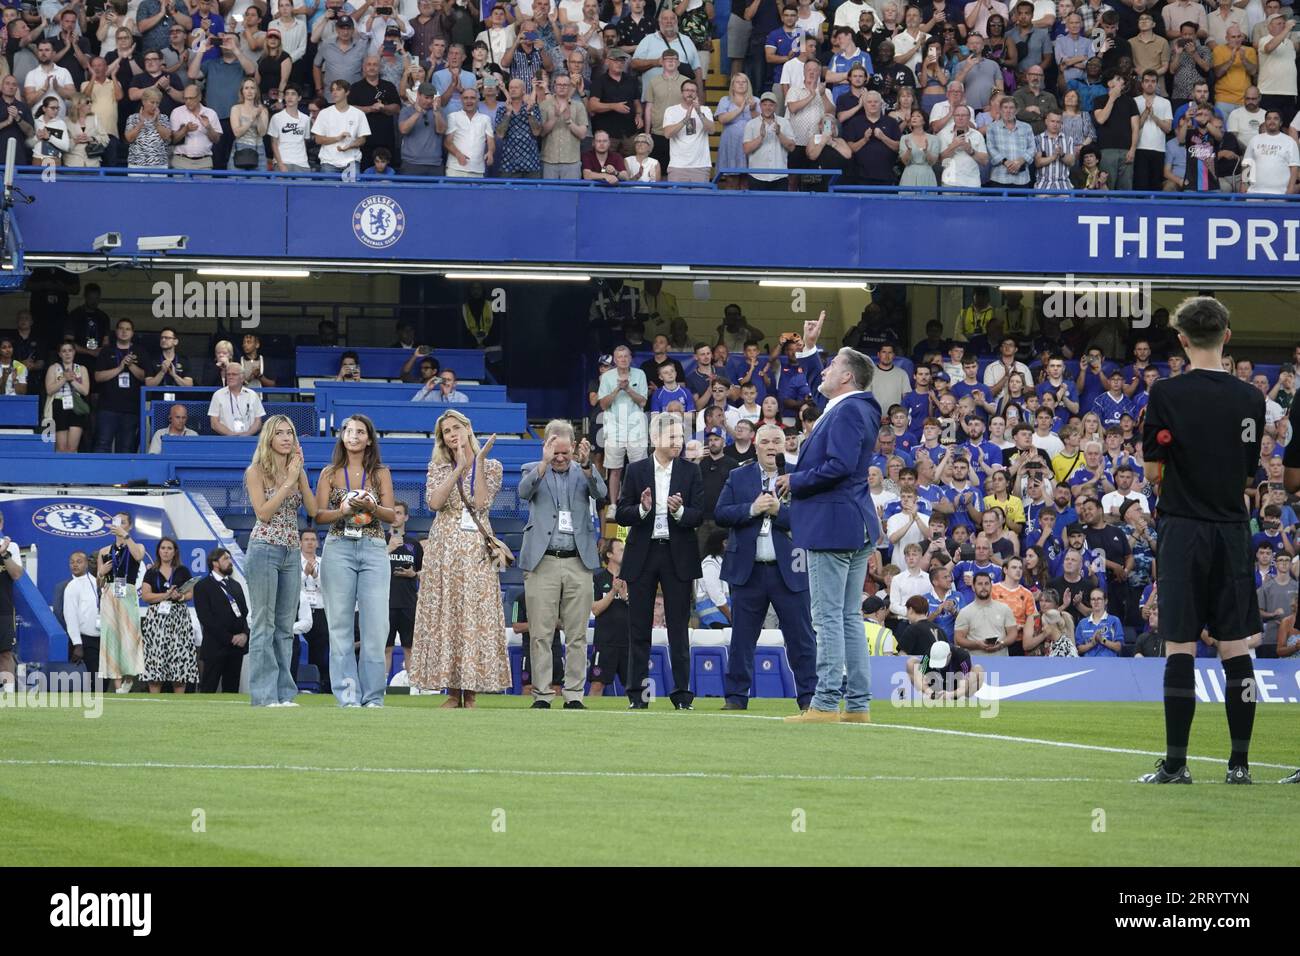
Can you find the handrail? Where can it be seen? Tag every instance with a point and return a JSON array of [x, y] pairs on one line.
[[118, 173], [166, 172]]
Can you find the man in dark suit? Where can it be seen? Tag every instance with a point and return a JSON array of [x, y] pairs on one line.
[[835, 526], [760, 566], [659, 503], [223, 615]]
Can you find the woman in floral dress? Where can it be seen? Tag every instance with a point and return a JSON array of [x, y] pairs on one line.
[[460, 641]]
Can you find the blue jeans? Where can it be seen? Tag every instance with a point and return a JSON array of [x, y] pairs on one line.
[[274, 577], [120, 427], [835, 580], [354, 575]]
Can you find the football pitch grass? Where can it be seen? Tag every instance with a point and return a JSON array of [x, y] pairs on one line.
[[196, 781]]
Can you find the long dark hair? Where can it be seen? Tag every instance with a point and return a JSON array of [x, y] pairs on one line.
[[176, 552], [370, 460], [1037, 579]]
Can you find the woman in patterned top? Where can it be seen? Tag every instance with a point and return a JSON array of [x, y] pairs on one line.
[[354, 494], [148, 132], [460, 639], [277, 487]]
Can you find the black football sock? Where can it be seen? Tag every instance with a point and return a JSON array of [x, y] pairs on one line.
[[1180, 708], [1239, 699]]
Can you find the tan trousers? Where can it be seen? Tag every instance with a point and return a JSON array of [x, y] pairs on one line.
[[559, 593]]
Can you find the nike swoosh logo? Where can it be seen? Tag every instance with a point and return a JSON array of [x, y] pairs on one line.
[[1006, 691]]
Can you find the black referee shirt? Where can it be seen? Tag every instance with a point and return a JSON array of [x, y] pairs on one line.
[[1212, 424]]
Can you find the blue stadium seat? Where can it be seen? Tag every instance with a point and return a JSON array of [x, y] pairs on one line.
[[309, 678], [772, 674], [516, 669], [708, 668], [661, 671], [399, 657]]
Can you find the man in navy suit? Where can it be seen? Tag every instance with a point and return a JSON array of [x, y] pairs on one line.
[[660, 504], [760, 566], [835, 526]]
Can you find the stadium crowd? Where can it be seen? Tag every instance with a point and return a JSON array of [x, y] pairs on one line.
[[1168, 96]]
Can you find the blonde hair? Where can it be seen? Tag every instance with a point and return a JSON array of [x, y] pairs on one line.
[[441, 454], [265, 458], [223, 344], [1060, 620], [739, 76]]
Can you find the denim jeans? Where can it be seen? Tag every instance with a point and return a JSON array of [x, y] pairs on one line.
[[274, 575], [835, 580], [122, 427], [354, 574]]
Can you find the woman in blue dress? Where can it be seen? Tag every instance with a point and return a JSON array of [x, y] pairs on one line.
[[735, 109]]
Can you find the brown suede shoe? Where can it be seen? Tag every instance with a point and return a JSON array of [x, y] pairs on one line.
[[856, 717], [814, 716]]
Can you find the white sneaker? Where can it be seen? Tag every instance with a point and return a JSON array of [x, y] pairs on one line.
[[285, 703], [350, 705], [373, 703]]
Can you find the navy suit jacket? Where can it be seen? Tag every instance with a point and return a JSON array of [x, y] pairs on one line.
[[831, 507], [743, 485]]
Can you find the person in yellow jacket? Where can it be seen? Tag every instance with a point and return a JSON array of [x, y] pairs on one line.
[[880, 639]]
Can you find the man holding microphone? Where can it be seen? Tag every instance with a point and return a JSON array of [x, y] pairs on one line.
[[559, 557], [759, 565], [835, 526]]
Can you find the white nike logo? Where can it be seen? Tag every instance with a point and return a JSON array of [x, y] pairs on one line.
[[1005, 691]]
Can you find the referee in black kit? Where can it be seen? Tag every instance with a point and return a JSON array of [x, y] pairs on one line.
[[1200, 443], [1291, 478]]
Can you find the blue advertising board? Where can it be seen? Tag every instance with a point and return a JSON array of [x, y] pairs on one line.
[[433, 222]]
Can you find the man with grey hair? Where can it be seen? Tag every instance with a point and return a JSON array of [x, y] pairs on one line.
[[835, 526], [558, 557], [760, 566], [622, 395]]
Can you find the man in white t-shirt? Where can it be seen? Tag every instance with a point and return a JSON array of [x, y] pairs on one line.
[[1112, 502], [48, 79], [470, 141], [499, 35], [235, 410], [687, 127], [1246, 122], [848, 14], [340, 131], [289, 130], [1274, 160], [1155, 120]]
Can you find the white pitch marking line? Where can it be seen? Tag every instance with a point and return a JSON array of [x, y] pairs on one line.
[[480, 771], [1005, 737]]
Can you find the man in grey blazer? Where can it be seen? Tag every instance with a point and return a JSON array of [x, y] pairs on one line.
[[559, 557]]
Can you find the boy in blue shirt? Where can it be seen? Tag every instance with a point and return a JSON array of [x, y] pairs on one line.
[[670, 390]]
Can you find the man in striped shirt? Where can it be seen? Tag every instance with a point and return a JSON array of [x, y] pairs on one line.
[[1011, 147], [1054, 154]]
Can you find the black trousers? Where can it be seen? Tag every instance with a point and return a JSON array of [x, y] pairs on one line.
[[90, 657], [1148, 170], [660, 152], [221, 148], [318, 647], [659, 572], [222, 668]]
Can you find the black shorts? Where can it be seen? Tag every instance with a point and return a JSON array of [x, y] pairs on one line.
[[557, 660], [8, 633], [1206, 580], [63, 420], [401, 621], [607, 662]]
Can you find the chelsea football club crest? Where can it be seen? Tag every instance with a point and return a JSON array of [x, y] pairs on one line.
[[378, 221], [72, 520]]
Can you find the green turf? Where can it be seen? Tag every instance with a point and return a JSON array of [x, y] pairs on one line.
[[319, 785]]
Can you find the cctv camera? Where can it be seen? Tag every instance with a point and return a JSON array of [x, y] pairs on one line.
[[162, 243], [108, 242]]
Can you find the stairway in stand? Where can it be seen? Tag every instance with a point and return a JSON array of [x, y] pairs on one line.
[[716, 88]]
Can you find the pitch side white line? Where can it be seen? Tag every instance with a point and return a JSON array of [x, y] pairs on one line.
[[488, 771], [970, 733]]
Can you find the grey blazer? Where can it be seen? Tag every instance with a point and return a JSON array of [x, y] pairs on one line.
[[542, 512]]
